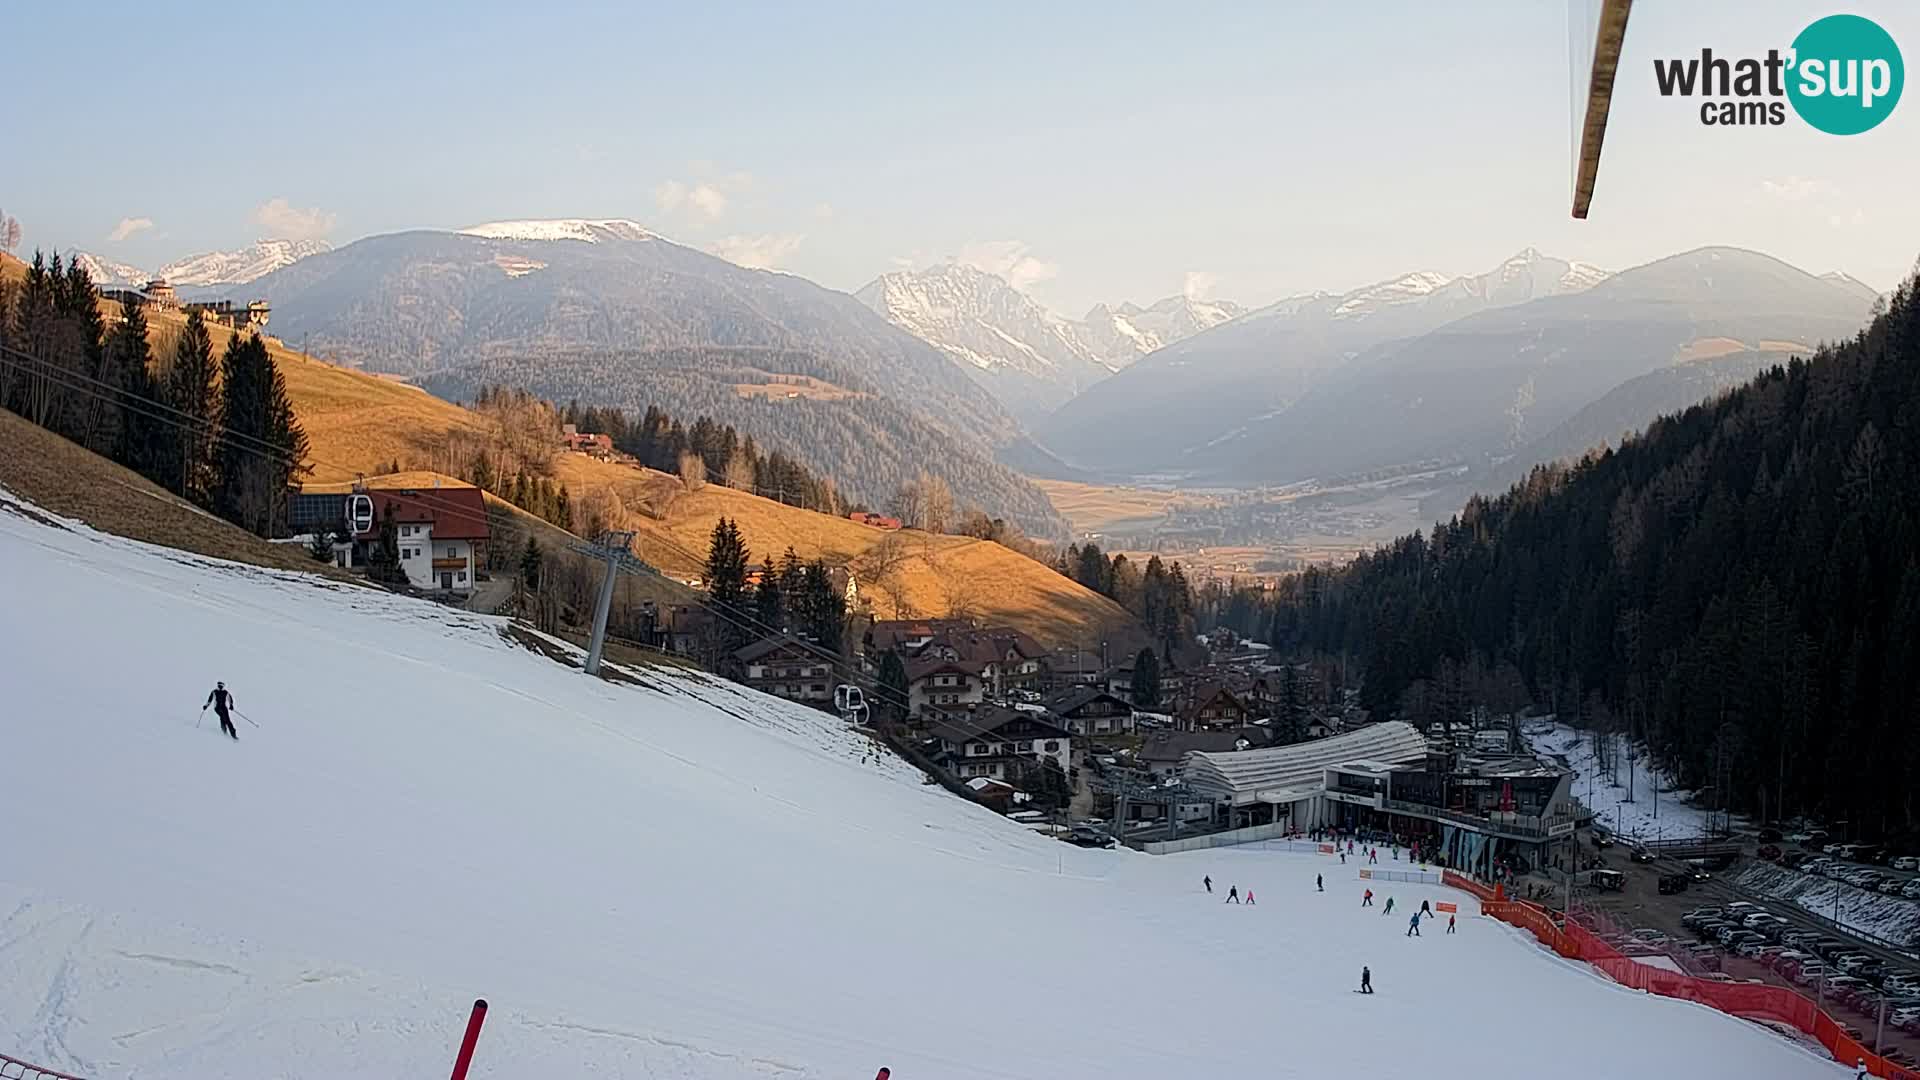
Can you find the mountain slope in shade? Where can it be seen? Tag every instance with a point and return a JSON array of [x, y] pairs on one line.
[[1195, 392], [212, 268], [1031, 359], [1483, 386]]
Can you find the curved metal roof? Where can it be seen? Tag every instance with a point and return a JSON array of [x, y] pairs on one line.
[[1243, 775]]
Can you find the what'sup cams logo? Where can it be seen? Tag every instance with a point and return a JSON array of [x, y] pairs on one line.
[[1842, 75]]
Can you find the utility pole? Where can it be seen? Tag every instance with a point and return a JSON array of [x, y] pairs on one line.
[[614, 549]]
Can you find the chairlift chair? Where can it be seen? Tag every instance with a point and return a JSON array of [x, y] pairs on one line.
[[850, 703]]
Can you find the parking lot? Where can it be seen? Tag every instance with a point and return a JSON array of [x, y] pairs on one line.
[[1641, 905]]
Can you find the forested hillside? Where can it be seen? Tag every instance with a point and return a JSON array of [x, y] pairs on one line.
[[834, 424], [1738, 587]]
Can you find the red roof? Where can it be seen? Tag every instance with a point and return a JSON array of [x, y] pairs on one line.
[[456, 513]]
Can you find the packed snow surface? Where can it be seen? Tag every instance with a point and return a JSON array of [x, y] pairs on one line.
[[676, 879]]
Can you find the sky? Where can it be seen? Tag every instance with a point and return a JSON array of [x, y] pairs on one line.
[[1089, 152]]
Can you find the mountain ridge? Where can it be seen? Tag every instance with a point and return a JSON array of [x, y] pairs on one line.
[[1030, 358], [240, 266]]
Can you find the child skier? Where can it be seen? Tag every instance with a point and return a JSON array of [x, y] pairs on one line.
[[1449, 924], [1249, 895], [1366, 898], [1413, 925]]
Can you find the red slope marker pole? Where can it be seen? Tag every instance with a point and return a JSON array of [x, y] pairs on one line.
[[473, 1036]]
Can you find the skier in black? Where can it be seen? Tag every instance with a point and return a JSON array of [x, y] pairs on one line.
[[1319, 883], [1426, 907], [1208, 882], [1366, 980], [221, 702], [1233, 894]]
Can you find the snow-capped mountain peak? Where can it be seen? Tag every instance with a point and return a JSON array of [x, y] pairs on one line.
[[210, 268], [591, 230], [1032, 358]]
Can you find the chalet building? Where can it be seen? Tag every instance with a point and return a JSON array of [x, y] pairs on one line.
[[249, 316], [441, 532], [952, 664], [1212, 707], [788, 668], [1089, 710], [600, 446], [877, 521], [998, 743], [936, 683]]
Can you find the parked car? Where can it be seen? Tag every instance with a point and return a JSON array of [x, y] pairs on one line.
[[1770, 836], [1650, 937], [1769, 852], [1849, 963], [1700, 913], [1809, 973], [1750, 947], [1743, 907], [1905, 862], [1793, 859], [1891, 886]]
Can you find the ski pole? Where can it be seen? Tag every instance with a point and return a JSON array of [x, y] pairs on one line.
[[245, 717]]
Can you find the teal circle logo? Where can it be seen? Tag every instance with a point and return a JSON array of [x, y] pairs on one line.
[[1846, 76]]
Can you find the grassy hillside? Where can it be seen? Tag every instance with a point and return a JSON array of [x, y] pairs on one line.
[[358, 422], [66, 479], [904, 574]]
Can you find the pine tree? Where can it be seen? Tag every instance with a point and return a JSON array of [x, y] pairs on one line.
[[191, 391], [530, 566], [826, 608], [262, 445], [726, 577], [1291, 725], [141, 435], [1144, 687], [767, 608], [893, 687]]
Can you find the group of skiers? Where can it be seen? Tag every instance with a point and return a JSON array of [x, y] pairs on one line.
[[1366, 900]]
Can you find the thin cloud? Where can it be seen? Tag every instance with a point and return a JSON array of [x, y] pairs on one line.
[[765, 251], [669, 195], [707, 200], [128, 226], [284, 221], [1010, 259], [1795, 188], [1199, 284]]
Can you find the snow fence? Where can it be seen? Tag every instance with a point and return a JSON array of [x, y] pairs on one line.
[[15, 1069], [1754, 1001]]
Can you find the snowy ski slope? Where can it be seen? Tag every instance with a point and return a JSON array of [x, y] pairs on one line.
[[680, 880]]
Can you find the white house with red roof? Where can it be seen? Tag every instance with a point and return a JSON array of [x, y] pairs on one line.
[[441, 532]]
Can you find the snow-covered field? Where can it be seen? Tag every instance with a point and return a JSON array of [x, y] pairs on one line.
[[1891, 919], [1672, 816], [677, 880]]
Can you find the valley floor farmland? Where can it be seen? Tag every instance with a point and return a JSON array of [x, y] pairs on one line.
[[678, 879]]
